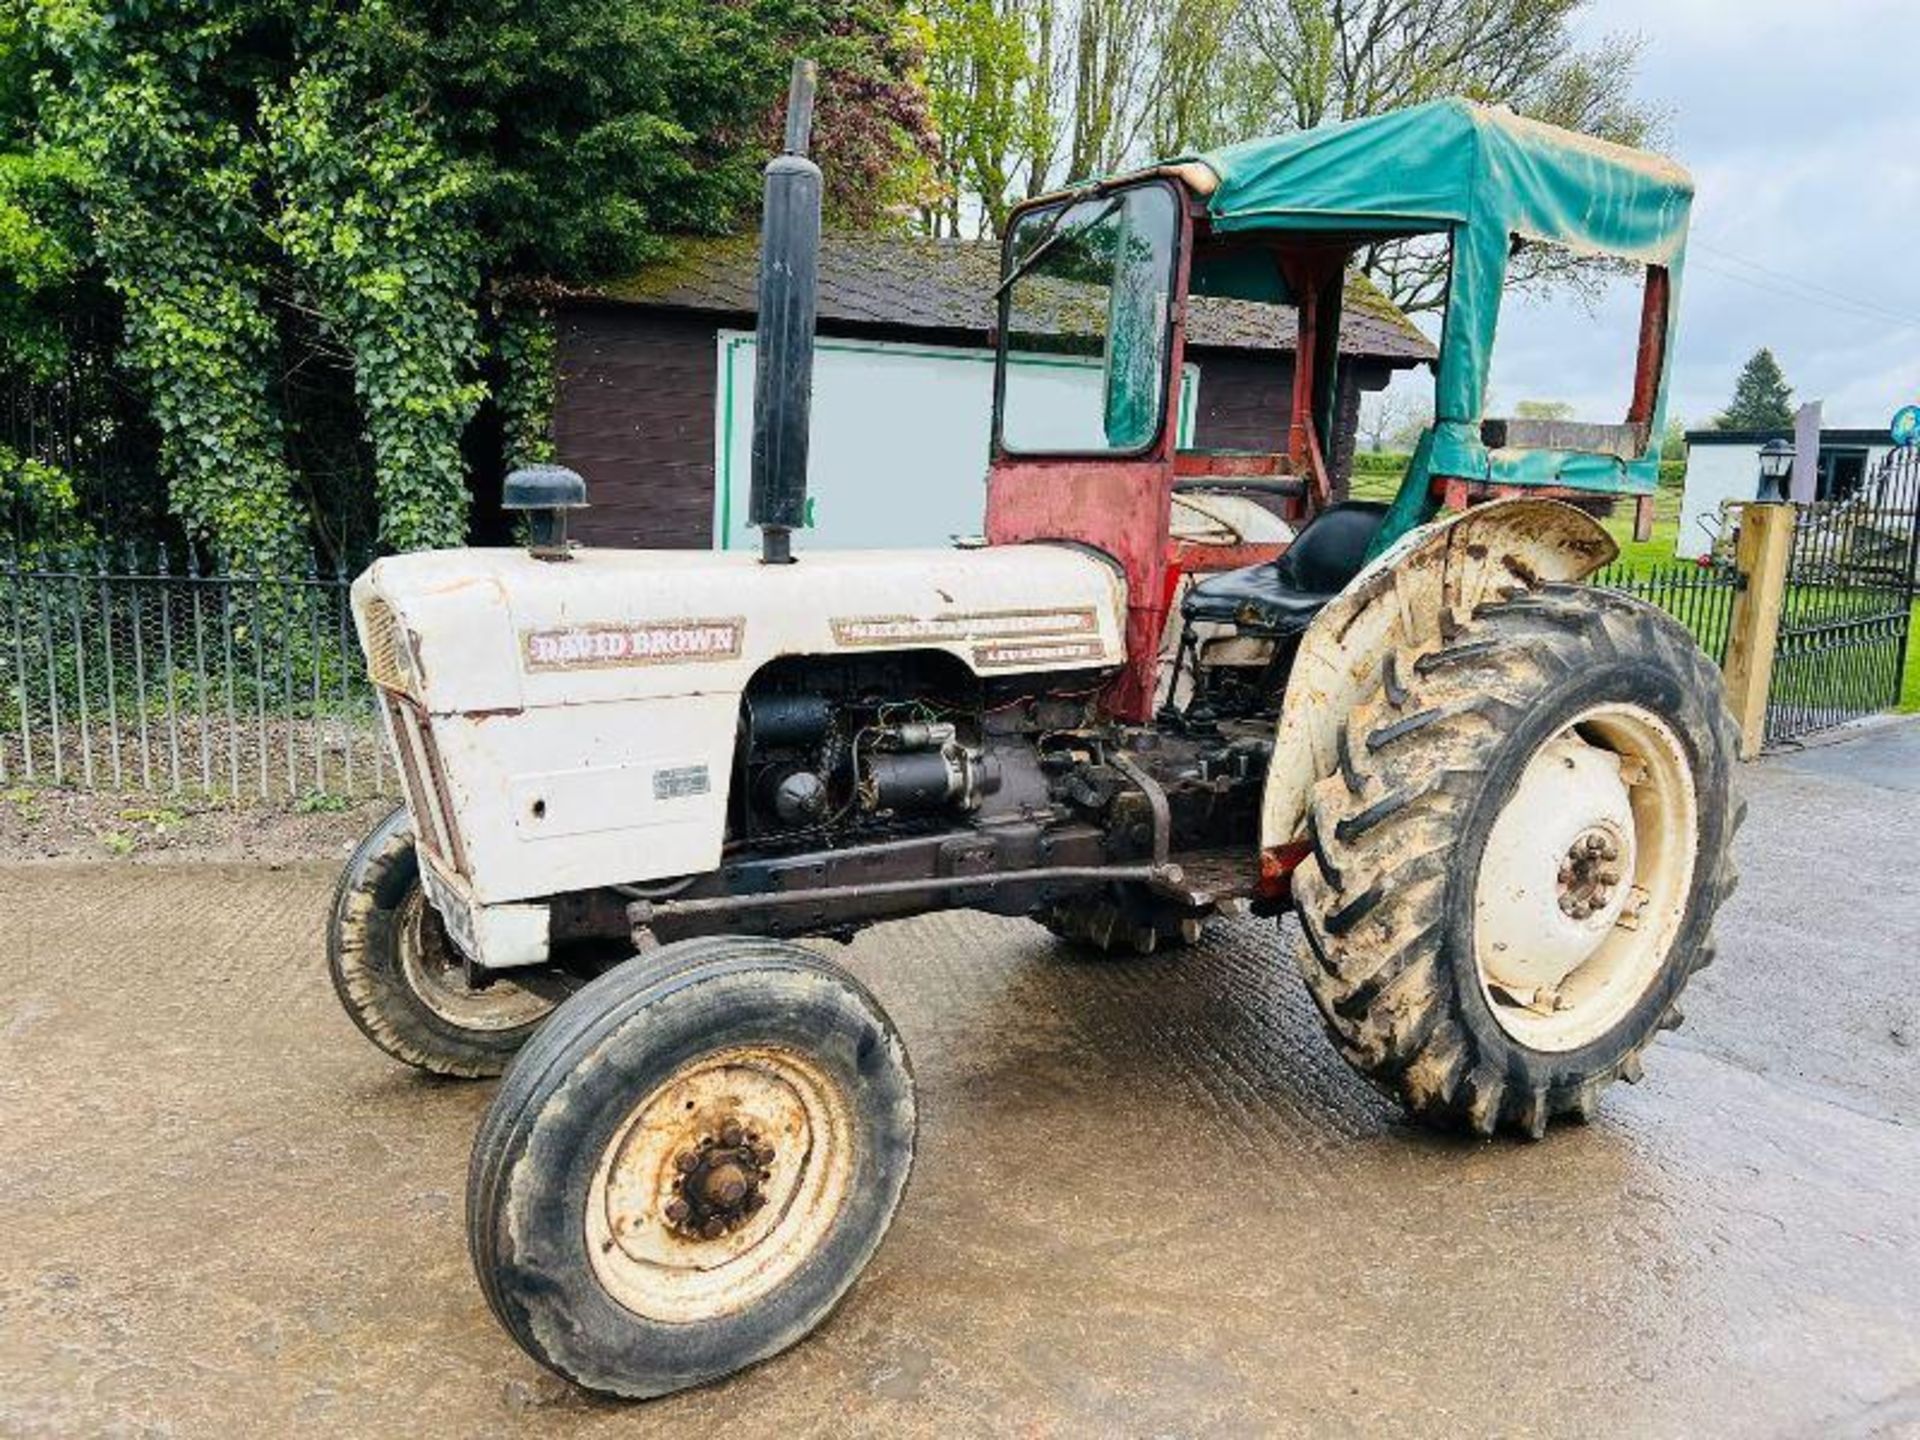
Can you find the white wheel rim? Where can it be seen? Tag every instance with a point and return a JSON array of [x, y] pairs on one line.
[[437, 975], [1584, 880], [654, 1260]]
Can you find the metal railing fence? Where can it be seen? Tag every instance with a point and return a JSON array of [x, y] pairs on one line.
[[1700, 596], [1853, 575], [130, 672]]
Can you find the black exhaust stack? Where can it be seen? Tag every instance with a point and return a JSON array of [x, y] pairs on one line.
[[783, 340]]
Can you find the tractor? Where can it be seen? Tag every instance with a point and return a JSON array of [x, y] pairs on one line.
[[1498, 800]]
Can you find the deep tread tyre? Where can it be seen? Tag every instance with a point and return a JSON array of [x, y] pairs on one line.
[[383, 942], [571, 1238], [1387, 896]]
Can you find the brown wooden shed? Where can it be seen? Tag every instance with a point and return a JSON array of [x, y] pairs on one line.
[[641, 403]]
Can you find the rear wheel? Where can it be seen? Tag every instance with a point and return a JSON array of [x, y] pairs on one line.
[[400, 978], [690, 1165], [1516, 868]]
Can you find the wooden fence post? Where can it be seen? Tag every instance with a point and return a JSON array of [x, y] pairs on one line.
[[1766, 535]]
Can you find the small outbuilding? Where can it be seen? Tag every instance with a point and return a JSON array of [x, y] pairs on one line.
[[1724, 465], [654, 390]]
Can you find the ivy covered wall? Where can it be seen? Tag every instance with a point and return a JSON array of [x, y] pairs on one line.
[[317, 227]]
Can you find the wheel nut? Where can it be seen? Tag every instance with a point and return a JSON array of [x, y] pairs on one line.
[[755, 1201], [763, 1157], [714, 1228], [731, 1135], [676, 1211], [686, 1162]]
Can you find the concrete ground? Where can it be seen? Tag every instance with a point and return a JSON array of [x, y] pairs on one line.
[[1150, 1199]]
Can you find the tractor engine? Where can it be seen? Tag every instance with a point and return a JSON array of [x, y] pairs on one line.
[[847, 747], [908, 766]]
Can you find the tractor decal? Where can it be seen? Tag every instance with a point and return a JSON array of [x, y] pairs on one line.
[[669, 642], [1039, 652], [992, 624]]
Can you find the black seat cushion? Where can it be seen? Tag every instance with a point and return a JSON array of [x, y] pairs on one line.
[[1282, 596]]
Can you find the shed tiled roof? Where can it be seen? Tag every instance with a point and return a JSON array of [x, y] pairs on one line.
[[925, 284]]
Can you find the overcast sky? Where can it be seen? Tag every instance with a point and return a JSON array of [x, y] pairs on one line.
[[1800, 120]]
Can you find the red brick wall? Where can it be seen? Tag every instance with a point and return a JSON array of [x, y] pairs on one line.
[[634, 413]]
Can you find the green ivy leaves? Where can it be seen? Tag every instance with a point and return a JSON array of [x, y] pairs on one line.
[[283, 194], [374, 215]]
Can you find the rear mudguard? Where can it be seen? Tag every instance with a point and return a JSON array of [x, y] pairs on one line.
[[1396, 603]]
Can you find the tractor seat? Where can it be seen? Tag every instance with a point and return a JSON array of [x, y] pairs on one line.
[[1282, 596]]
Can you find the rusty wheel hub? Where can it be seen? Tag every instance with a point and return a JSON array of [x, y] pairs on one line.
[[1589, 872], [721, 1183]]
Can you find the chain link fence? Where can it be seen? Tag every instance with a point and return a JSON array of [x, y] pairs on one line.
[[128, 672]]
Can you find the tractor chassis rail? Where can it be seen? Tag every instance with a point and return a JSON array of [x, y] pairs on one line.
[[836, 904]]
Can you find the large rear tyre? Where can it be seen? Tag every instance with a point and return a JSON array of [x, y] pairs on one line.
[[1516, 867], [399, 977], [690, 1165]]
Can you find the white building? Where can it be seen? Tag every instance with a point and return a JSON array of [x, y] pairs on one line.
[[1724, 465]]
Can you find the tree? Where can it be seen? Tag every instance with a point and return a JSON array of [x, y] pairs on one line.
[[291, 199], [1543, 410], [1109, 83], [1393, 420], [1762, 399], [1029, 93], [978, 71], [42, 235], [1331, 60]]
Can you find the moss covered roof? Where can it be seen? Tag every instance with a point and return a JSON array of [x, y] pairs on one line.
[[917, 283]]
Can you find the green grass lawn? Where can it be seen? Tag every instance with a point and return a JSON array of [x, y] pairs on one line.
[[1910, 677]]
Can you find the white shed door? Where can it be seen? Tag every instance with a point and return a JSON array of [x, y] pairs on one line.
[[898, 455]]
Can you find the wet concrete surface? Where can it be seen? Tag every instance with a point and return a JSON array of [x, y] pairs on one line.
[[1149, 1199]]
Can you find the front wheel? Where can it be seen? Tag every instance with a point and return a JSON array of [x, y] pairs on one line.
[[690, 1165], [1516, 867], [399, 977]]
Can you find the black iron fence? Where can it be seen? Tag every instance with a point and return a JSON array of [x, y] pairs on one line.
[[131, 672], [1847, 607], [134, 671], [1699, 595]]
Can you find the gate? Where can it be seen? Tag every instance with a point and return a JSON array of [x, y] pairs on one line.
[[1847, 609]]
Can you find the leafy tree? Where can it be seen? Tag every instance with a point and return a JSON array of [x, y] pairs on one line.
[[291, 195], [1762, 399], [42, 238], [1119, 82], [1543, 410], [42, 250], [978, 68], [1330, 60]]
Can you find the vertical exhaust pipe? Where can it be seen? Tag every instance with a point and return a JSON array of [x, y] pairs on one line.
[[783, 338]]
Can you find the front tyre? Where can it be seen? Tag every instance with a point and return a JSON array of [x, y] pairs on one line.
[[399, 977], [1516, 867], [690, 1165]]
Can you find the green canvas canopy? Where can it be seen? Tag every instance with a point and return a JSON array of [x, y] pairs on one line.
[[1485, 177]]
